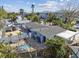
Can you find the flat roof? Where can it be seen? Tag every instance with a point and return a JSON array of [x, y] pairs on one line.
[[67, 34]]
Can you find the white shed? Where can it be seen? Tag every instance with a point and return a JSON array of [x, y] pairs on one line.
[[67, 35]]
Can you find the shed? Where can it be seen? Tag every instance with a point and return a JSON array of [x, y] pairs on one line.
[[68, 35]]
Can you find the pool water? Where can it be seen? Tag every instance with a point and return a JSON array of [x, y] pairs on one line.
[[24, 47]]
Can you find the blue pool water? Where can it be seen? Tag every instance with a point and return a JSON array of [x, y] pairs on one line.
[[24, 47]]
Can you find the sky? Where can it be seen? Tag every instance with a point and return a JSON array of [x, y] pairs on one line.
[[40, 5]]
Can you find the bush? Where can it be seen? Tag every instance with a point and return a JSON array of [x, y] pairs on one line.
[[6, 51], [56, 48], [35, 18]]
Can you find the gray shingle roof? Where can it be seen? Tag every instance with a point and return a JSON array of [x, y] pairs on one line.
[[48, 31]]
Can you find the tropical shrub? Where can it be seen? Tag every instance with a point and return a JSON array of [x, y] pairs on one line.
[[56, 48], [3, 14], [6, 51], [12, 16]]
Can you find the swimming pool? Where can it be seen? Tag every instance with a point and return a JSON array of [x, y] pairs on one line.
[[24, 47]]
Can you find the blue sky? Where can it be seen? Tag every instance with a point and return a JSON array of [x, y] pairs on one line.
[[40, 5]]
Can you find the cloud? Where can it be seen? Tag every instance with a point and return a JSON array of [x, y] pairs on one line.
[[10, 8], [48, 4], [51, 5], [7, 5]]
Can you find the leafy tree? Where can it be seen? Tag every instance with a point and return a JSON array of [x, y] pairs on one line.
[[52, 18], [33, 17], [29, 16], [12, 16], [6, 51], [55, 48], [70, 11], [3, 14]]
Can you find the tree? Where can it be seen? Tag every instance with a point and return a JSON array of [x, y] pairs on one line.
[[33, 17], [55, 48], [6, 51], [29, 16], [1, 24], [3, 14], [32, 6], [71, 11], [12, 16], [52, 18]]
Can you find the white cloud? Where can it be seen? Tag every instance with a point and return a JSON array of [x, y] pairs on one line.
[[52, 5], [10, 8], [48, 4], [7, 5]]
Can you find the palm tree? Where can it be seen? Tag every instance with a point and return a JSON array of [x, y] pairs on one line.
[[32, 6], [3, 13]]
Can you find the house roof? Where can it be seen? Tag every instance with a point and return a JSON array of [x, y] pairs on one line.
[[67, 34], [48, 31]]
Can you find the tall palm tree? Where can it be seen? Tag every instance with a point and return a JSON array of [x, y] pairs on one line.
[[32, 6], [3, 13]]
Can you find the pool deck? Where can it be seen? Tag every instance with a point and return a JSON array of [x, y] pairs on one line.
[[14, 45], [27, 41]]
